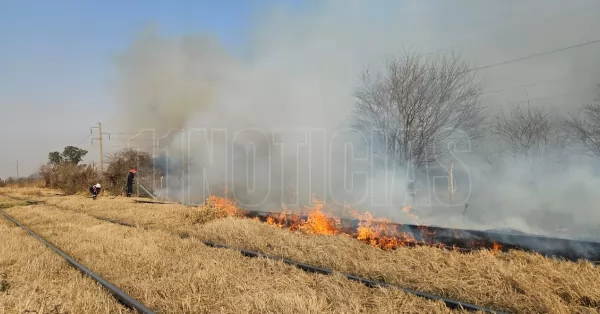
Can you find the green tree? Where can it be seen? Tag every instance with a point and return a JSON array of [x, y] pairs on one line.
[[70, 154], [73, 154], [55, 158]]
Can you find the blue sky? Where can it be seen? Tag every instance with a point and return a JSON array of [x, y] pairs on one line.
[[77, 39], [56, 57]]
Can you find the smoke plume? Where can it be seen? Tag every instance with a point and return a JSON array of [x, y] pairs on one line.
[[271, 126]]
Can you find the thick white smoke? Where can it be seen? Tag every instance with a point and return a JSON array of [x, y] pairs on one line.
[[296, 84]]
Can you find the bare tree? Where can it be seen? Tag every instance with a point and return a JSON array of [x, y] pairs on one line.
[[584, 128], [532, 132], [418, 102], [122, 161]]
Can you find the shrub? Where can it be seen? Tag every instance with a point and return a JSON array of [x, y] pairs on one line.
[[119, 165], [22, 182], [69, 177]]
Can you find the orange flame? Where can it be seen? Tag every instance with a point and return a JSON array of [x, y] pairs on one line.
[[382, 234], [228, 207], [496, 248], [408, 210], [319, 223], [374, 231]]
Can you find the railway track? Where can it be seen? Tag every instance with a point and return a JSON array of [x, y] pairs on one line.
[[450, 303], [130, 302], [118, 294], [468, 240]]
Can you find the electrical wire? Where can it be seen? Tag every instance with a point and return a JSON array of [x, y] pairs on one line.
[[83, 140], [527, 57], [498, 31], [535, 55]]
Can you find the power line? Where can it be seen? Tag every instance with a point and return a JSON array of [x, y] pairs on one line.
[[535, 55], [83, 140], [531, 56], [538, 83], [579, 92], [100, 133], [494, 32], [133, 146]]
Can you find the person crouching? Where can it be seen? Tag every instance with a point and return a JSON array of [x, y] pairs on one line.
[[95, 190]]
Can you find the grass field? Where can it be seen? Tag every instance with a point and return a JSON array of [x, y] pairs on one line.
[[515, 282], [173, 275], [33, 279]]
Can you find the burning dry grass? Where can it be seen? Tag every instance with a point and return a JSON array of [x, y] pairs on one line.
[[518, 282], [33, 279], [173, 275]]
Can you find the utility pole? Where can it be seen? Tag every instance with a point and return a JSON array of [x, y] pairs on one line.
[[451, 183], [99, 138], [17, 169]]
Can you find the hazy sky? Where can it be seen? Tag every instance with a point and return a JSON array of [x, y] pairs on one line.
[[56, 64], [56, 58]]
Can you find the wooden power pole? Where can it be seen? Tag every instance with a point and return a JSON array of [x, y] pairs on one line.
[[99, 138], [17, 169]]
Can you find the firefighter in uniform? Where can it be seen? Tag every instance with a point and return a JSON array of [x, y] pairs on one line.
[[130, 179], [95, 189]]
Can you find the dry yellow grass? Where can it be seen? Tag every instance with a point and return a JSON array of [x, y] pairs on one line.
[[517, 282], [33, 279], [26, 193], [173, 275], [7, 203]]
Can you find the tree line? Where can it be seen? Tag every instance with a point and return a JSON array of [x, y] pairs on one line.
[[414, 103], [64, 171], [417, 102]]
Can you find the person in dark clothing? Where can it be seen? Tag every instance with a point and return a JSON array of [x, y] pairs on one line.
[[130, 178], [95, 189]]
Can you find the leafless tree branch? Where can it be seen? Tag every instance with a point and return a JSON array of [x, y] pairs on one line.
[[584, 128], [417, 102], [530, 132]]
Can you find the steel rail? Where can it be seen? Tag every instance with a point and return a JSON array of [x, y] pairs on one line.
[[562, 248], [182, 235], [459, 239], [464, 240], [118, 294], [450, 303]]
